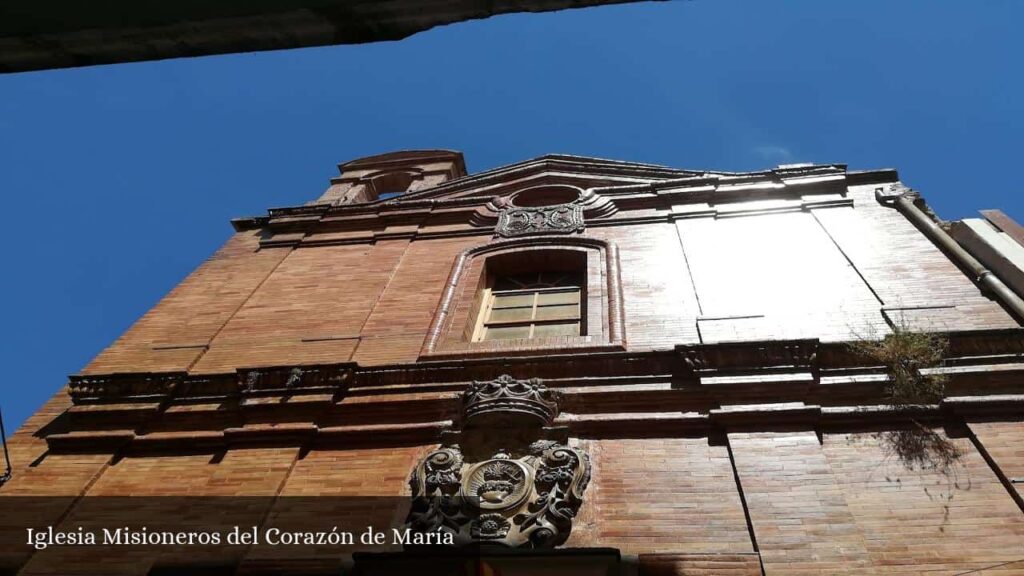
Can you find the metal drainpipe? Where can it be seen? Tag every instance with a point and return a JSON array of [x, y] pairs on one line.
[[905, 204], [6, 474]]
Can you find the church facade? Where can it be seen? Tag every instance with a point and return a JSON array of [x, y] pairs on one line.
[[566, 365]]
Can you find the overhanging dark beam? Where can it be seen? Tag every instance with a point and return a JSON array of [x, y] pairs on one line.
[[42, 34]]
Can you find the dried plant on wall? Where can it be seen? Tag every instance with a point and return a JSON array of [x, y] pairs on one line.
[[908, 357]]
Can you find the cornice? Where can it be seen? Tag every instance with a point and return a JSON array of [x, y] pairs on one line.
[[654, 180], [483, 226], [414, 216], [401, 158], [647, 424], [691, 388], [992, 349], [555, 162], [877, 176]]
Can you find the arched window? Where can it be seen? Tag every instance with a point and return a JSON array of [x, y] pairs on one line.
[[391, 184], [530, 295], [543, 297]]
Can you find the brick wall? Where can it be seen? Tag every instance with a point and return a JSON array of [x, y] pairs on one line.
[[173, 335], [672, 500], [802, 523], [664, 495], [1004, 443], [849, 505], [825, 273]]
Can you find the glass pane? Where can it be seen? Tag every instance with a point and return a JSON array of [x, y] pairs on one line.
[[558, 312], [507, 332], [510, 314], [512, 300], [548, 298], [560, 329]]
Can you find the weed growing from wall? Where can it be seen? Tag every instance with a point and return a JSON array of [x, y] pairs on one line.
[[906, 356]]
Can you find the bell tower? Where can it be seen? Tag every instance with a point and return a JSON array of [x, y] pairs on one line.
[[386, 176]]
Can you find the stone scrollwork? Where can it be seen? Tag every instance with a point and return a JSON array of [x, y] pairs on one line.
[[528, 501], [524, 495], [441, 471], [562, 474], [561, 218], [435, 484]]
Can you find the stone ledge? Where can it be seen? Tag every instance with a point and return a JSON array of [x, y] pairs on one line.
[[759, 417]]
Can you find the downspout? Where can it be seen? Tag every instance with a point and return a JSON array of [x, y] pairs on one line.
[[904, 200], [6, 474]]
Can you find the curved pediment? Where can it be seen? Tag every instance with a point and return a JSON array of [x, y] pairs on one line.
[[427, 193], [551, 169]]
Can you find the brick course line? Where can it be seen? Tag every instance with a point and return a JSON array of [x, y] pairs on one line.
[[237, 308], [1003, 478], [743, 501]]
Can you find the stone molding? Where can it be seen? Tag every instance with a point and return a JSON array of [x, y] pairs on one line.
[[123, 387], [690, 389], [666, 187], [978, 348], [760, 417]]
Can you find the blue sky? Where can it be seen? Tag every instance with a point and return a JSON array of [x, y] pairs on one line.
[[117, 181]]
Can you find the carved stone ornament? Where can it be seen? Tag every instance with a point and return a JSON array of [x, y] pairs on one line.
[[747, 355], [292, 380], [123, 386], [561, 218], [506, 396], [523, 494]]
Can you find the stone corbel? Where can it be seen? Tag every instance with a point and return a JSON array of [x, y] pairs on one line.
[[329, 380]]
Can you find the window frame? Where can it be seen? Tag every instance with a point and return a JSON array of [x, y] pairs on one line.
[[486, 321], [453, 329]]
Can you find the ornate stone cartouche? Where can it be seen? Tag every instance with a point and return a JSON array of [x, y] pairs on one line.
[[521, 494], [558, 219]]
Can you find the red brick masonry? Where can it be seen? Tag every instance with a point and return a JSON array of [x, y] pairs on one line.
[[731, 430]]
